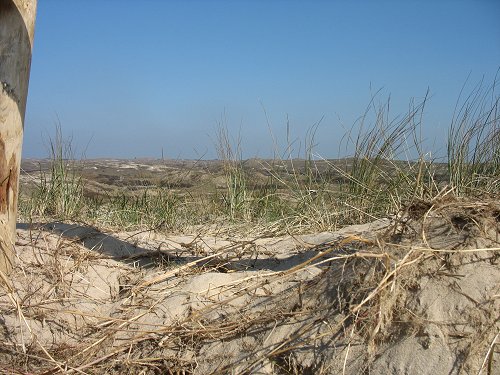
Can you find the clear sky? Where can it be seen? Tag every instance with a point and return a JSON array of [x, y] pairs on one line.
[[130, 78]]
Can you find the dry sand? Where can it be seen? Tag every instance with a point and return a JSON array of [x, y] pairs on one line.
[[414, 294]]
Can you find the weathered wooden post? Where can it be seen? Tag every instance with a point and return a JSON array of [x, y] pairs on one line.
[[17, 21]]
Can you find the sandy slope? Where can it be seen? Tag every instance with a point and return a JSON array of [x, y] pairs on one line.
[[418, 294]]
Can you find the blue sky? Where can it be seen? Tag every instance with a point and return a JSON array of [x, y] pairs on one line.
[[128, 79]]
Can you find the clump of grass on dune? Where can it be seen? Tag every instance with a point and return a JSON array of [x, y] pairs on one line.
[[387, 167], [310, 194], [235, 198], [474, 143], [58, 193]]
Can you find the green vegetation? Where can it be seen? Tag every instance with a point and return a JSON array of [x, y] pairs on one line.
[[474, 144], [60, 192], [388, 168]]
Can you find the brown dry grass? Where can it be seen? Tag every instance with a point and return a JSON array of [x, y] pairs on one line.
[[71, 309]]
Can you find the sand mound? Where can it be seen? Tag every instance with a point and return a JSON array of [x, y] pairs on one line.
[[416, 294]]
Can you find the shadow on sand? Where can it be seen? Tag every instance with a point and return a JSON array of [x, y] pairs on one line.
[[128, 252]]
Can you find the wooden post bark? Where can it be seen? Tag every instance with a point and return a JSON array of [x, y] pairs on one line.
[[17, 21]]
